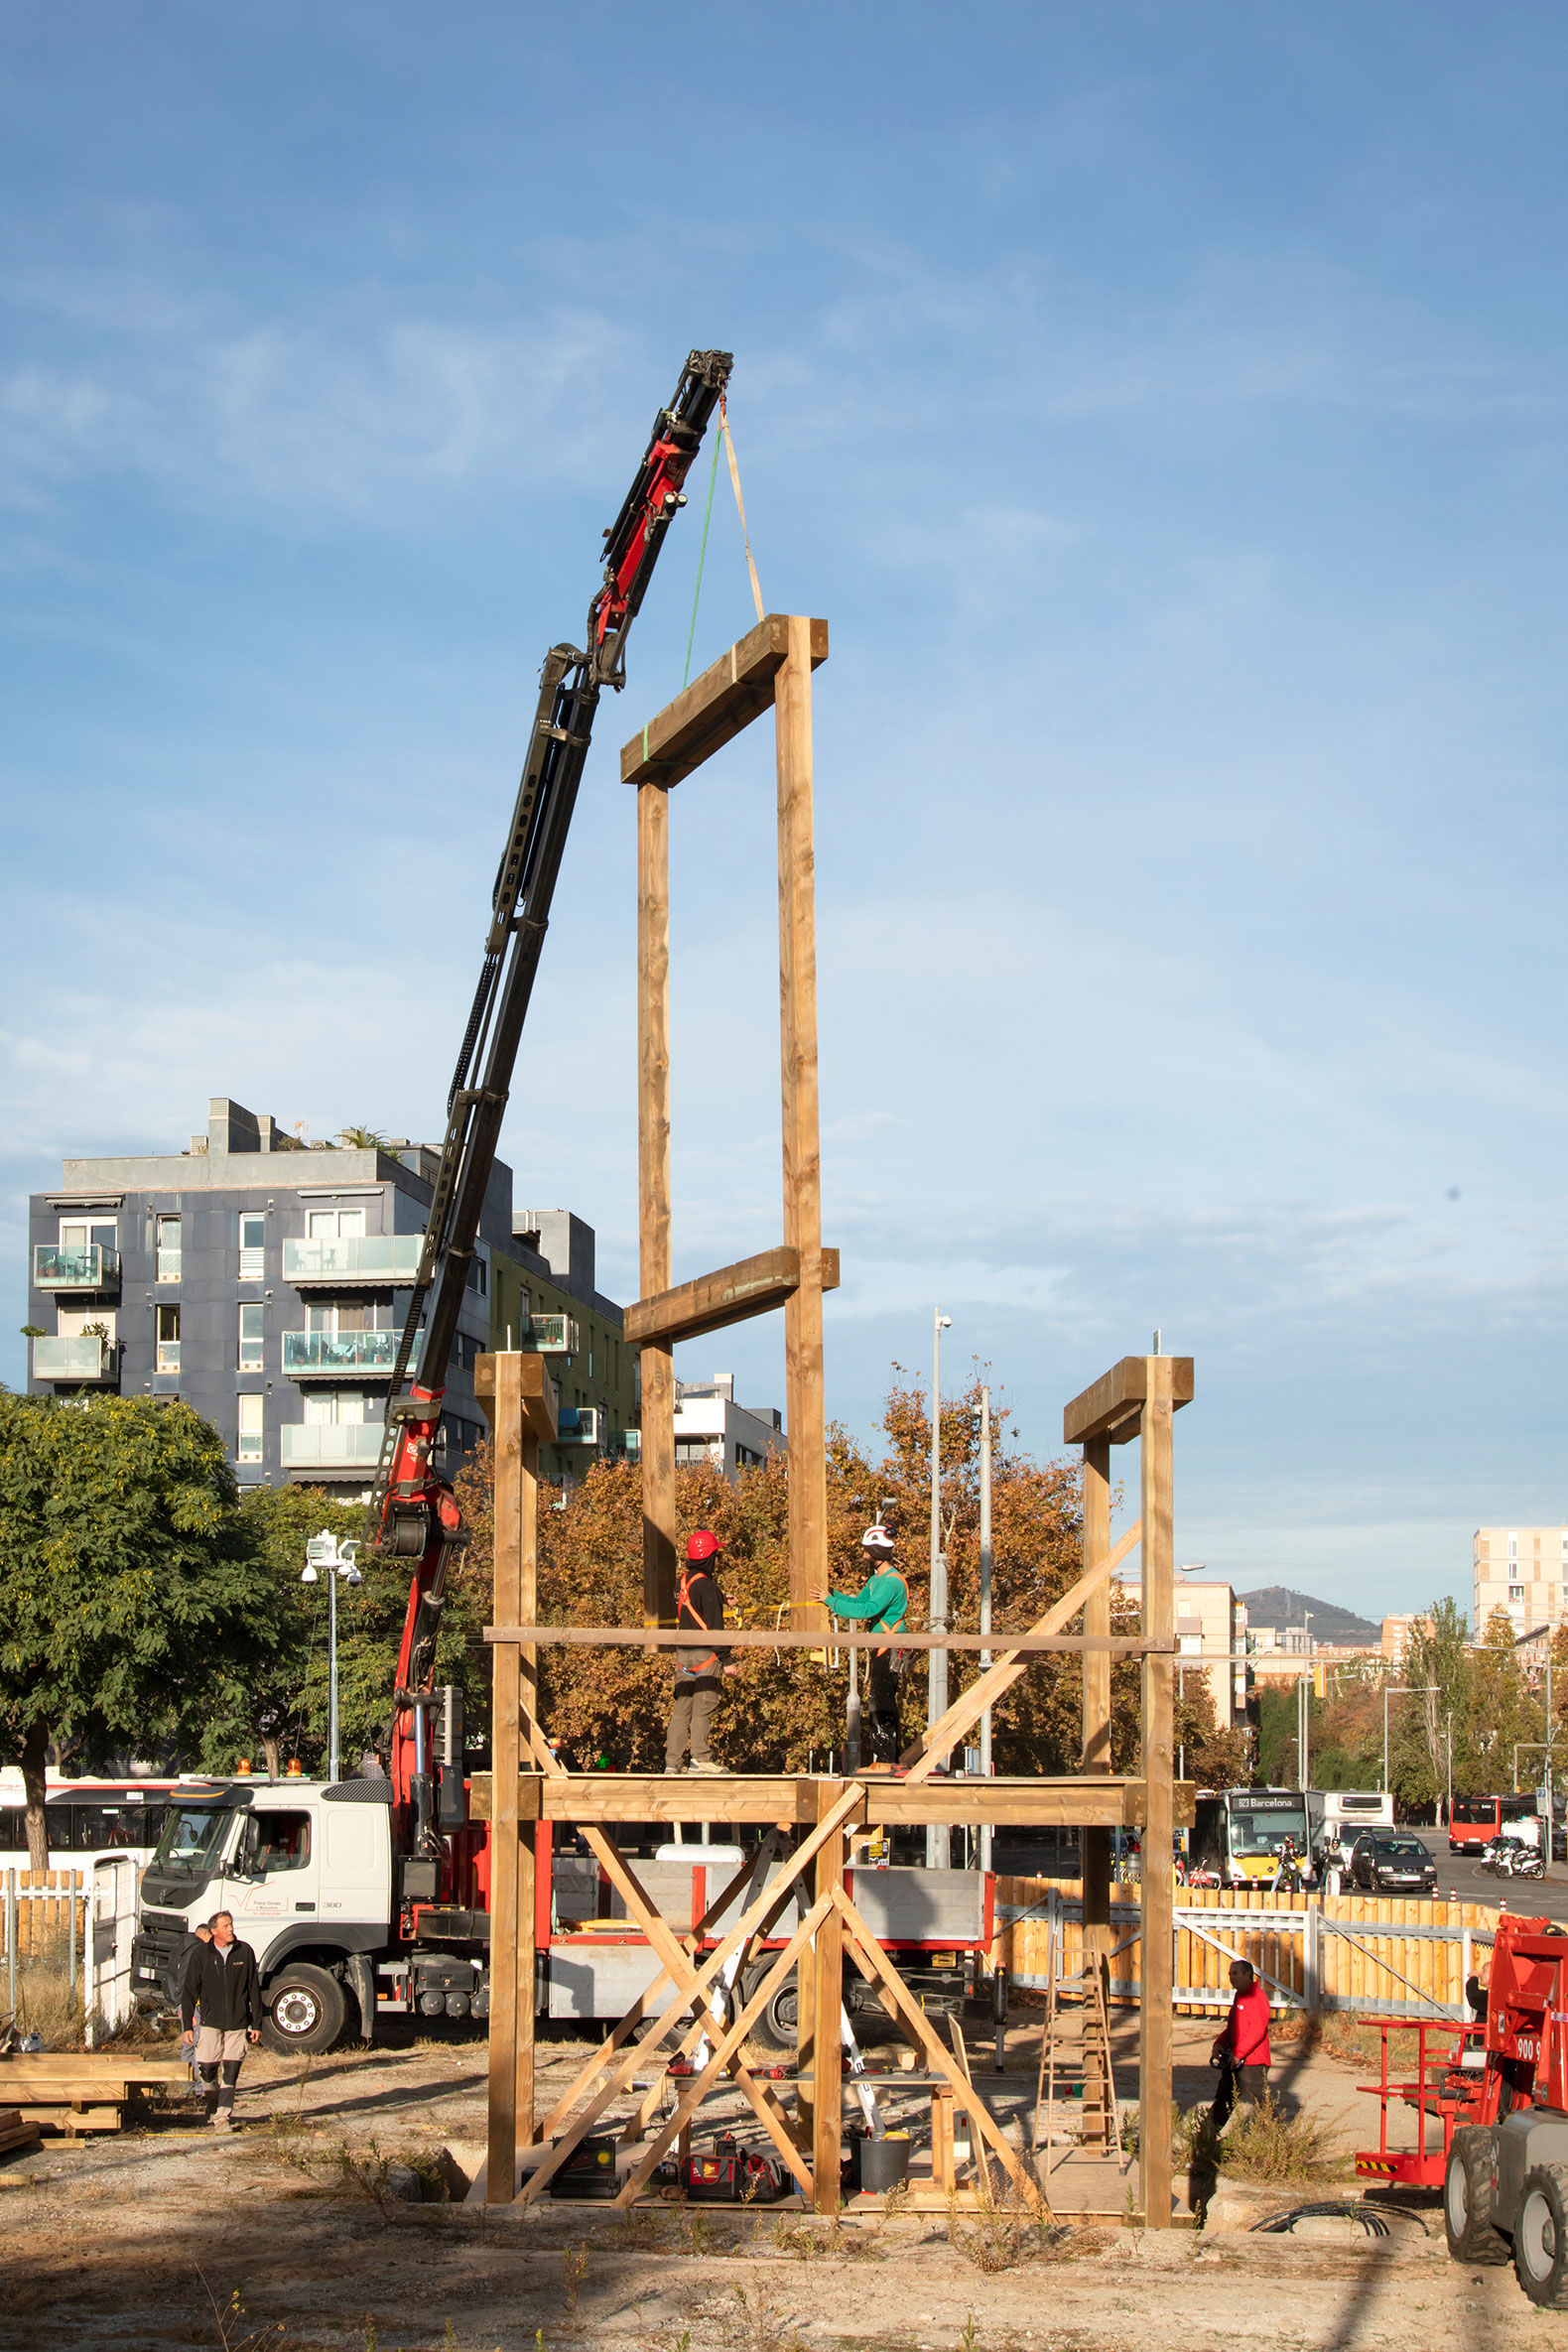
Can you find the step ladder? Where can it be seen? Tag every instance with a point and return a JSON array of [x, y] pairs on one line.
[[1078, 2062]]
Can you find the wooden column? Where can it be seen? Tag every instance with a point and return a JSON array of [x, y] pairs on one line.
[[828, 2133], [653, 1196], [802, 1355], [513, 1668], [1157, 1882], [1094, 1844]]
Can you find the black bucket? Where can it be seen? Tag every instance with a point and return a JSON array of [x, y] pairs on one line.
[[881, 2165]]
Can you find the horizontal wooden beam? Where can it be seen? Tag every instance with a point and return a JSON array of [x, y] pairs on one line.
[[1123, 1645], [541, 1398], [1094, 1801], [717, 706], [1113, 1406], [709, 1302]]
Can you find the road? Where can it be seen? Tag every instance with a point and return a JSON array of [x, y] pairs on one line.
[[1457, 1873]]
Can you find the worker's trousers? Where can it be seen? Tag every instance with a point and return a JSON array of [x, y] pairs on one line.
[[882, 1693], [1239, 2085], [690, 1719]]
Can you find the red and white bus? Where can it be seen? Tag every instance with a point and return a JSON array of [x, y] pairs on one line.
[[1477, 1820], [88, 1820]]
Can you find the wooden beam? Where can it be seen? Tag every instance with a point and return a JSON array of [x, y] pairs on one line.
[[538, 1397], [581, 1798], [511, 2021], [1156, 1871], [1112, 1406], [675, 1637], [935, 1744], [711, 1302], [653, 1198], [805, 1400], [1094, 1844], [717, 706], [828, 1998]]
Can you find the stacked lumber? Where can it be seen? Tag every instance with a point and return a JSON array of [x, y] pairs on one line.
[[16, 2131], [77, 2090]]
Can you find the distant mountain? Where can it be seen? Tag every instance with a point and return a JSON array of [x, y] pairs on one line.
[[1277, 1604]]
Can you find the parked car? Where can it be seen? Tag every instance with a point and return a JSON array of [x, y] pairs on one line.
[[1386, 1864]]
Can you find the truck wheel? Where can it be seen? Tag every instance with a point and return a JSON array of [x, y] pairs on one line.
[[775, 2026], [1466, 2199], [1540, 2238], [307, 2010]]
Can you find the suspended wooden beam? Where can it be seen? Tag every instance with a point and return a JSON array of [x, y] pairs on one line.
[[1113, 1406], [717, 706], [711, 1302]]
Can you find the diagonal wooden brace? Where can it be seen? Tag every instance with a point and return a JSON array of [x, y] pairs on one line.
[[687, 1995], [729, 2041], [897, 1994], [936, 1744]]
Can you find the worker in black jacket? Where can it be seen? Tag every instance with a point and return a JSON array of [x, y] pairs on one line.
[[697, 1669], [224, 1982]]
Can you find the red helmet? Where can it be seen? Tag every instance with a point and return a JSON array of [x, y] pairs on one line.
[[702, 1544]]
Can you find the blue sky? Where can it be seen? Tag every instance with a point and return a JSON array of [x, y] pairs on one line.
[[1166, 409]]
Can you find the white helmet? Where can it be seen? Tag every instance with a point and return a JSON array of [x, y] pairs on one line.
[[878, 1541]]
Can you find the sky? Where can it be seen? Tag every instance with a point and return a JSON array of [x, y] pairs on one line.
[[1166, 408]]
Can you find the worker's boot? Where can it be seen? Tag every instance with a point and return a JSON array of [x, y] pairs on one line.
[[707, 1767]]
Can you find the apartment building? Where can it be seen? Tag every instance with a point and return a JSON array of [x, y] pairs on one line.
[[267, 1282], [1520, 1571], [1211, 1626], [711, 1427], [543, 1295]]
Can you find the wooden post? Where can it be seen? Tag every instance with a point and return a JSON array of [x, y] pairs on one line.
[[1157, 1878], [653, 1196], [943, 2174], [1094, 1844], [826, 2138], [802, 1356], [511, 2031]]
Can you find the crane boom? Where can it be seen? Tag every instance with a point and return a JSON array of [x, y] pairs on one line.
[[414, 1507]]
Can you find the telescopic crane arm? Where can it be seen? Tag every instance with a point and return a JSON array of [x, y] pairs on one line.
[[414, 1504]]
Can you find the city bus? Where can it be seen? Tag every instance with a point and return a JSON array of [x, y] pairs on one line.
[[88, 1820], [1477, 1820], [1238, 1834]]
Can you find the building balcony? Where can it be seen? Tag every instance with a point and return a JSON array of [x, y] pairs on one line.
[[78, 1359], [76, 1266], [331, 1354], [580, 1425], [329, 1446], [552, 1335], [353, 1259]]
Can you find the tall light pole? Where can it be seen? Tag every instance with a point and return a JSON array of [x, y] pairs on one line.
[[1304, 1711], [324, 1551], [1534, 1635], [985, 1604], [938, 1844]]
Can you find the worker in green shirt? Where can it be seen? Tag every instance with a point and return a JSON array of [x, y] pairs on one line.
[[881, 1605]]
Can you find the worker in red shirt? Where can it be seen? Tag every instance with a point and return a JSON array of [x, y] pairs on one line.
[[1242, 2052]]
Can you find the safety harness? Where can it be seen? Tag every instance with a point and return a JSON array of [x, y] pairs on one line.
[[683, 1603]]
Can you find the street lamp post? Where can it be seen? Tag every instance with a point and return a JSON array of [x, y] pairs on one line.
[[939, 1843], [1534, 1635], [324, 1551], [984, 1603]]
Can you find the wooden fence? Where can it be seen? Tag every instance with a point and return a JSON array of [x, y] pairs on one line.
[[1390, 1956]]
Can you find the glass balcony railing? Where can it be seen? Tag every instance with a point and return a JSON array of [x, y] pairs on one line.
[[336, 1445], [579, 1426], [358, 1257], [78, 1359], [76, 1266], [552, 1335], [310, 1355]]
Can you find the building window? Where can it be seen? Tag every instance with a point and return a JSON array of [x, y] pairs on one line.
[[1515, 1592], [168, 1356], [253, 1246], [250, 1416], [252, 1335], [328, 1225], [166, 1248]]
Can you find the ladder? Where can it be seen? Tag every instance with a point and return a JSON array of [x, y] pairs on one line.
[[1085, 2068]]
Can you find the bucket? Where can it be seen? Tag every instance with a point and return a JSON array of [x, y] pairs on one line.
[[881, 2165]]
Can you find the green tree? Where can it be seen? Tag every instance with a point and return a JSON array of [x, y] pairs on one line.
[[130, 1595], [1439, 1665]]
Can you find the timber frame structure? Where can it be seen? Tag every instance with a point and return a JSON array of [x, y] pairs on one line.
[[817, 1820]]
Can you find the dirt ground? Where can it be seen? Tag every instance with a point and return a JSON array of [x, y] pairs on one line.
[[283, 2239]]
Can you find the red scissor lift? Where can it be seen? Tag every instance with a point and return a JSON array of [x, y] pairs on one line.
[[1445, 2091]]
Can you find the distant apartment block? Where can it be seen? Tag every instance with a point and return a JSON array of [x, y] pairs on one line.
[[1211, 1627], [711, 1427], [543, 1295], [267, 1282], [1520, 1571], [1397, 1635]]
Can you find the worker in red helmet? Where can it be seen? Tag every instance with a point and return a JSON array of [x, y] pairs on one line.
[[699, 1669]]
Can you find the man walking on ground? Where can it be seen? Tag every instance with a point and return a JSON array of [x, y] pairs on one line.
[[223, 1982], [880, 1606], [698, 1670], [1241, 2052], [188, 2046]]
